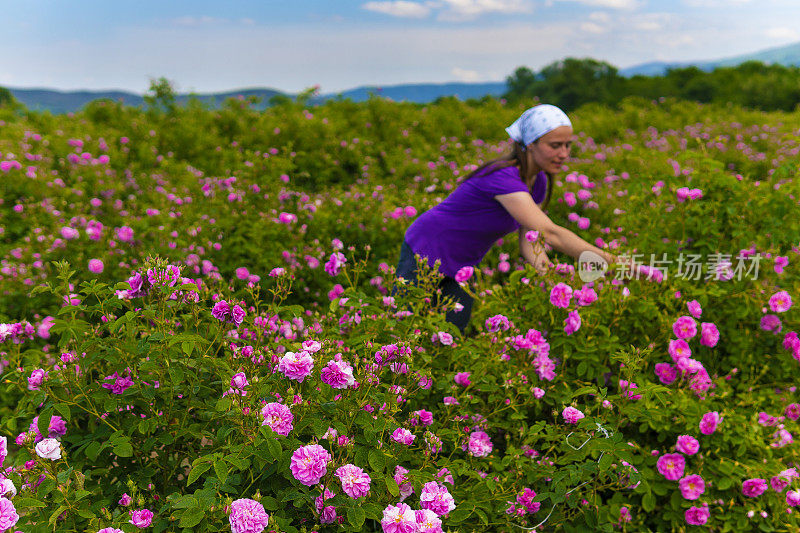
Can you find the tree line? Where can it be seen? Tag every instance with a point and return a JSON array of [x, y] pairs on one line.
[[572, 82]]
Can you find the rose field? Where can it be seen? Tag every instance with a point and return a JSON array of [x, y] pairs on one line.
[[201, 328]]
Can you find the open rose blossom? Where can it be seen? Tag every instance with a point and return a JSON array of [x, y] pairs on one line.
[[709, 334], [399, 519], [436, 498], [571, 415], [671, 466], [687, 444], [754, 487], [247, 516], [709, 422], [296, 366], [355, 482], [309, 464], [464, 273], [692, 487], [560, 295], [278, 417], [49, 449], [338, 374], [479, 445], [427, 521], [142, 518], [780, 302], [697, 516], [685, 327], [403, 436], [8, 514]]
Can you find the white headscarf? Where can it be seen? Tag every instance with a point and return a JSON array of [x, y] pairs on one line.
[[537, 121]]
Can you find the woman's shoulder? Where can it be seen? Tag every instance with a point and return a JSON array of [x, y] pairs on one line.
[[501, 180]]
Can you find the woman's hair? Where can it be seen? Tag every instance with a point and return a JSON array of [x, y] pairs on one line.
[[515, 157]]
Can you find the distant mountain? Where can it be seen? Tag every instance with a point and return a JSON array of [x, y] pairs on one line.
[[71, 101], [423, 93], [783, 55]]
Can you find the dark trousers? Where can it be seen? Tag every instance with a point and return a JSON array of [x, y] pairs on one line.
[[407, 268]]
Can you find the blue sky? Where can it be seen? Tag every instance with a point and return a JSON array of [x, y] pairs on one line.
[[206, 46]]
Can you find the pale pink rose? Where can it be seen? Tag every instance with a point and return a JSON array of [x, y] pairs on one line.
[[49, 449], [436, 498], [355, 482]]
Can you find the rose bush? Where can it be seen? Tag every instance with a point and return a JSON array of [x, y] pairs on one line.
[[228, 346]]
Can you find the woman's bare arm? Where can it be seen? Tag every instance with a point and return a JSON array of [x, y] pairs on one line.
[[521, 206]]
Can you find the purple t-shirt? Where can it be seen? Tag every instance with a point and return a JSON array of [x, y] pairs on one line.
[[461, 230]]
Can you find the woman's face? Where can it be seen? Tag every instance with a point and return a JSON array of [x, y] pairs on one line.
[[551, 149]]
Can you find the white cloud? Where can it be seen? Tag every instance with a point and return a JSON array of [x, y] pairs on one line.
[[399, 8], [190, 21], [781, 33], [465, 75], [592, 27], [610, 4], [601, 17], [469, 9]]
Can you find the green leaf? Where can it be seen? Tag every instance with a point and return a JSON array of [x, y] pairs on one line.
[[27, 503], [583, 390], [649, 502], [274, 448], [63, 410], [392, 486], [458, 515], [192, 517], [269, 503], [197, 471], [221, 470], [123, 448], [44, 422], [356, 517], [57, 513], [376, 460]]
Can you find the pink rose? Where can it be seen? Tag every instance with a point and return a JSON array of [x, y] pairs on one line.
[[309, 464], [247, 516], [572, 415], [399, 519], [687, 444], [754, 487], [142, 518], [296, 366], [436, 498], [697, 516], [49, 449], [671, 466], [355, 482], [709, 334], [709, 422], [685, 327], [278, 417], [560, 295], [403, 436], [464, 273], [692, 487]]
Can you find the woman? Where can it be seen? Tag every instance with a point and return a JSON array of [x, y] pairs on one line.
[[502, 196]]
